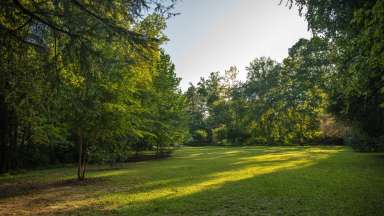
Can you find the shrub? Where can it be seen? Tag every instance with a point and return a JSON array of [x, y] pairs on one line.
[[360, 141], [199, 136]]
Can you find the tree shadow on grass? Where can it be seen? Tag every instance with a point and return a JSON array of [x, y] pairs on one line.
[[18, 188], [310, 189], [35, 188], [225, 183]]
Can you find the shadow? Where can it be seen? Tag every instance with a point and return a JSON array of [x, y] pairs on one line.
[[315, 189], [19, 188], [215, 181]]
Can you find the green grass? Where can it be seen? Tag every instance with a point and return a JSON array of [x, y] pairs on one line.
[[211, 181]]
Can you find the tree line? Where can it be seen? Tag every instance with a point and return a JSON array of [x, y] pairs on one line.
[[330, 88], [278, 104], [87, 81]]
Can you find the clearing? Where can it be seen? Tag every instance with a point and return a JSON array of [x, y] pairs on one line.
[[209, 181]]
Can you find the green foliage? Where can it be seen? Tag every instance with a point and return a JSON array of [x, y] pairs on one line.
[[355, 31], [360, 141], [87, 81], [339, 72], [279, 103], [168, 119], [199, 137], [85, 78]]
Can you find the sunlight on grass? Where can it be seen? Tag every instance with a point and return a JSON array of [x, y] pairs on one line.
[[271, 178], [254, 167], [111, 173]]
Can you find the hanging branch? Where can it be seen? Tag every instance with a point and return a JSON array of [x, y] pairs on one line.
[[39, 19]]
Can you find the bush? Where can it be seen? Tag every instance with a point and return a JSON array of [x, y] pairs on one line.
[[219, 135], [363, 143], [200, 136]]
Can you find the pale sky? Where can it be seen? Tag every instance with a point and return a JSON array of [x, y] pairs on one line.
[[212, 35]]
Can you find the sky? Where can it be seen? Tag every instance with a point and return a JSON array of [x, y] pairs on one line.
[[212, 35]]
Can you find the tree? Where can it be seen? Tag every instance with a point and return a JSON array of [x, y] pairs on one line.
[[166, 107], [76, 66], [355, 30]]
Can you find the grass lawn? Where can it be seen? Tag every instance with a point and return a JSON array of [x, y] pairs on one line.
[[209, 181]]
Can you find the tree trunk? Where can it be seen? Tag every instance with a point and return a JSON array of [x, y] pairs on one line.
[[85, 160], [83, 156], [12, 140], [3, 135], [15, 159], [82, 150]]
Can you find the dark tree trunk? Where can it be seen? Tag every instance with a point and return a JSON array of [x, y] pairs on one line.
[[15, 159], [21, 148], [12, 140], [85, 160], [3, 135], [82, 164]]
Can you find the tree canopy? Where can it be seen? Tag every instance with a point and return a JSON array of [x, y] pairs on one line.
[[87, 81]]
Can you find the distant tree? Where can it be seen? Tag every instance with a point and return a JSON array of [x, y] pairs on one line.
[[355, 30], [169, 114]]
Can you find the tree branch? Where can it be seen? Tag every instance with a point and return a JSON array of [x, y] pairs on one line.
[[49, 24]]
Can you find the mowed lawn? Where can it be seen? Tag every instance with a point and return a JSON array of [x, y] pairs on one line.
[[209, 181]]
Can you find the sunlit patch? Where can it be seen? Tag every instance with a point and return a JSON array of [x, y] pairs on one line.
[[191, 171], [232, 152], [254, 167], [111, 173]]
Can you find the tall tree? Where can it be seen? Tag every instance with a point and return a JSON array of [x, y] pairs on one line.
[[76, 55], [355, 29]]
